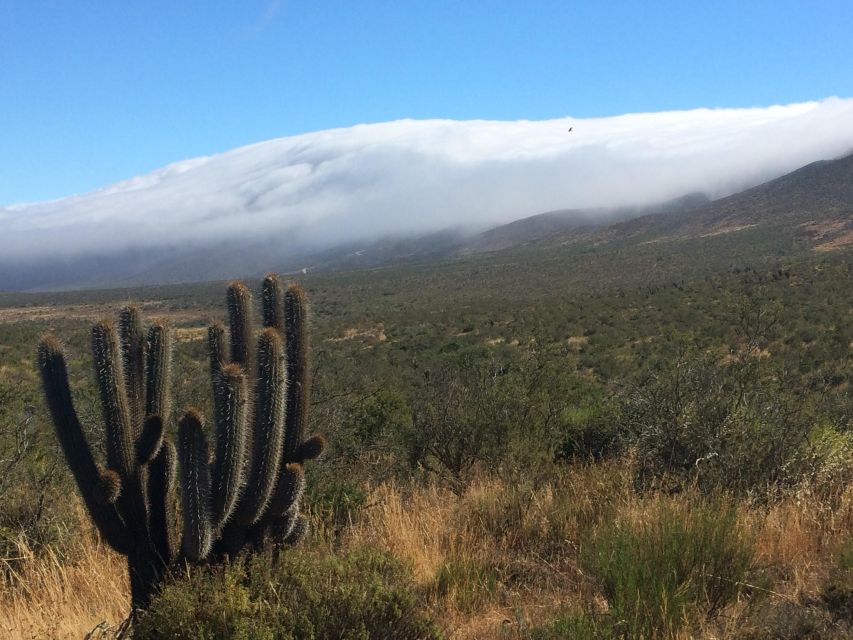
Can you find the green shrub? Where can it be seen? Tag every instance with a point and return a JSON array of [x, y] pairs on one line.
[[377, 421], [577, 626], [299, 595], [825, 459], [734, 425], [332, 497], [590, 432], [505, 415], [470, 582], [837, 596], [678, 564]]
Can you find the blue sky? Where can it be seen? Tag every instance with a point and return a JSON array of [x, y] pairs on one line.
[[92, 92]]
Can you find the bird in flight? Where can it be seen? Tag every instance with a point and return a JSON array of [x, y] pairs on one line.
[[570, 129]]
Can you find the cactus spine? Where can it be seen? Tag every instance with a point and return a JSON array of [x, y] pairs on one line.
[[251, 490]]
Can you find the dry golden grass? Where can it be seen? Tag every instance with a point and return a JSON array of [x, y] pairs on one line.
[[799, 537], [492, 558], [528, 541], [490, 561], [409, 526], [44, 598]]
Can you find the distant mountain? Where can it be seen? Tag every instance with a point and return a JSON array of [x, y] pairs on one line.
[[813, 204], [811, 207], [555, 226], [246, 258]]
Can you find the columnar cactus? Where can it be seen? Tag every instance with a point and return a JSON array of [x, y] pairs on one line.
[[251, 491], [248, 492], [128, 499]]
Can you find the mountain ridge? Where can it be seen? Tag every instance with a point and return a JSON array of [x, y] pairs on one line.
[[811, 206]]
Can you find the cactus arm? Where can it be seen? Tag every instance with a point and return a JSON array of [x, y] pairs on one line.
[[193, 453], [133, 362], [69, 431], [282, 527], [310, 449], [298, 373], [108, 486], [161, 492], [283, 513], [216, 348], [121, 452], [240, 317], [158, 382], [272, 295], [268, 427], [231, 404], [298, 530], [150, 440], [288, 491]]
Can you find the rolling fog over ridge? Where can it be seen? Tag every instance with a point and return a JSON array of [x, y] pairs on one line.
[[303, 195]]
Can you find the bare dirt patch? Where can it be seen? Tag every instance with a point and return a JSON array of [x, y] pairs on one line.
[[577, 342], [53, 312], [729, 229], [840, 242], [374, 333], [152, 310], [820, 230], [830, 235], [657, 240], [189, 334]]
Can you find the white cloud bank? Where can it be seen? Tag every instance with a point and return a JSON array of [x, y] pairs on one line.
[[415, 176]]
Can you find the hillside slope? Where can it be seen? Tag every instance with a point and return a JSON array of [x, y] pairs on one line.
[[813, 204]]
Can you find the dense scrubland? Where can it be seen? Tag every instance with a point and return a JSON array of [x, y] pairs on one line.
[[653, 441]]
